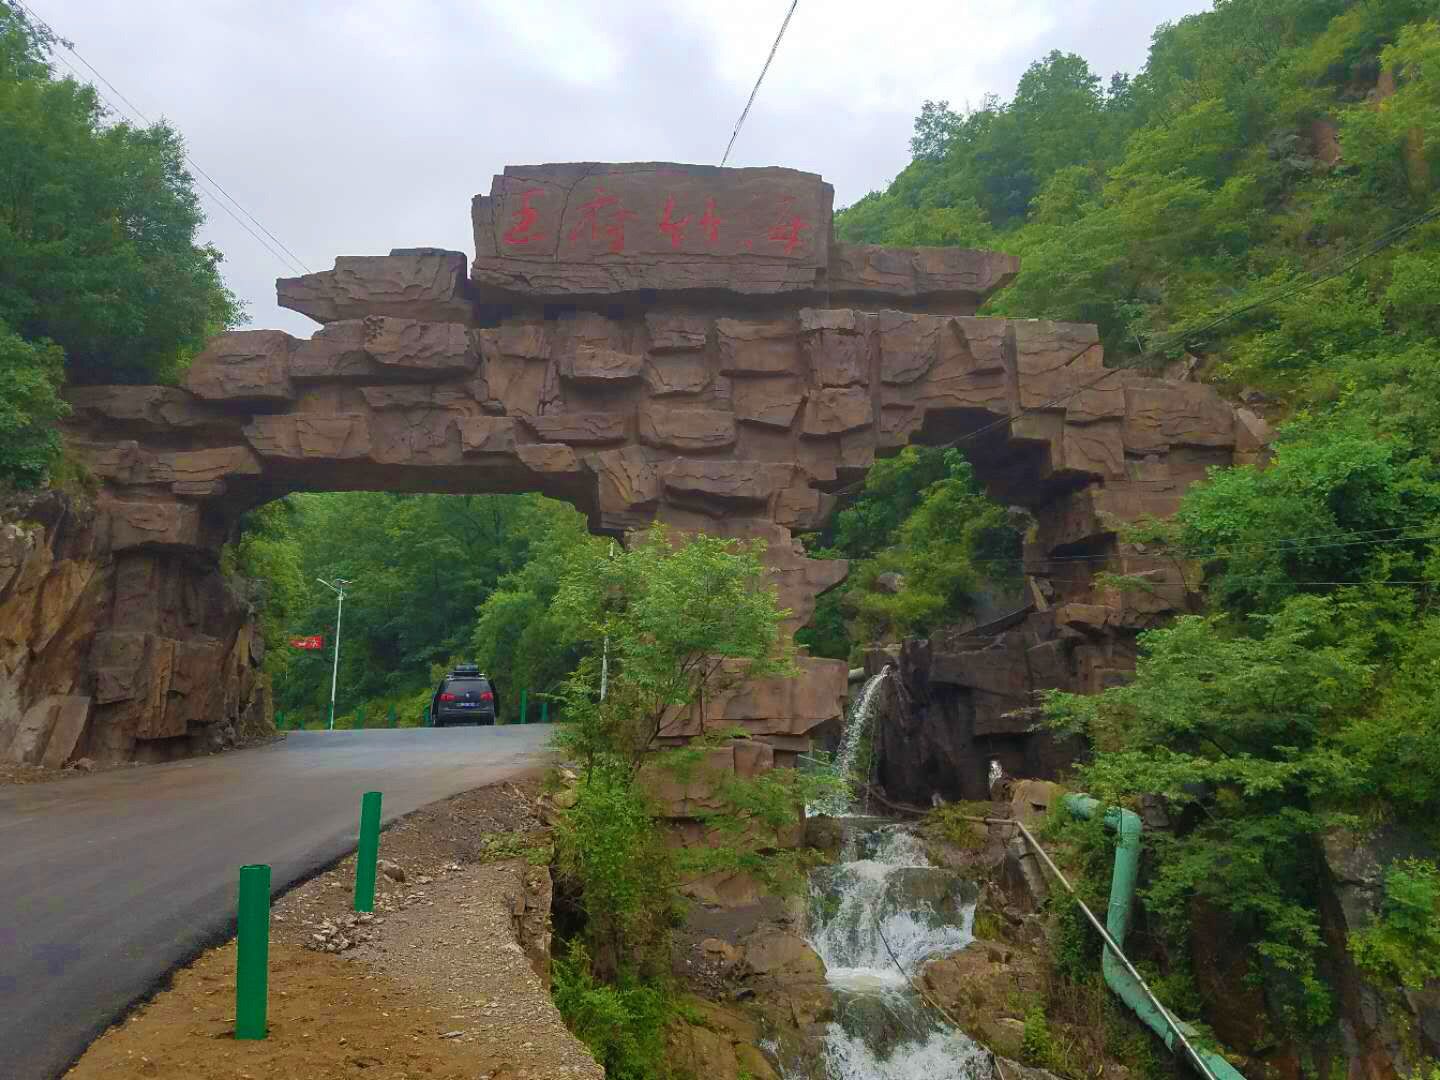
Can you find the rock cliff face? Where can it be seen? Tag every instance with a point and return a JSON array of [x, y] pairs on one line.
[[645, 341], [109, 656]]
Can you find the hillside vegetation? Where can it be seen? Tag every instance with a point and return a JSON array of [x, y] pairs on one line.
[[102, 278], [1274, 163]]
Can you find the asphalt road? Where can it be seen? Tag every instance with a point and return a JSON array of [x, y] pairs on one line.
[[108, 882]]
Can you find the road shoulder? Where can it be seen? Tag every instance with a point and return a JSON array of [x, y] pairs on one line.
[[449, 977]]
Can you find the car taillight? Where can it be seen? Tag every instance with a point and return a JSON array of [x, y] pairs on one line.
[[447, 697], [487, 696]]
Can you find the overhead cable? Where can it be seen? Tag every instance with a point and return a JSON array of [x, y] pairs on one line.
[[756, 88], [292, 261]]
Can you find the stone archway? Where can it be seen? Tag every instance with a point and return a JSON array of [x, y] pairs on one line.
[[644, 341]]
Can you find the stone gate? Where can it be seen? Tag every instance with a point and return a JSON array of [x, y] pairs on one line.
[[644, 341]]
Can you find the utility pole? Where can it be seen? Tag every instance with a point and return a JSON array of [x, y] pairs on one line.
[[338, 587], [605, 655]]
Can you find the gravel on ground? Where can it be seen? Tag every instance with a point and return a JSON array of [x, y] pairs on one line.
[[448, 977]]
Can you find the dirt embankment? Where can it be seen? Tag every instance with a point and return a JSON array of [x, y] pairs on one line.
[[448, 979]]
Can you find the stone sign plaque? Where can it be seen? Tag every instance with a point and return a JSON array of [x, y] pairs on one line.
[[586, 228]]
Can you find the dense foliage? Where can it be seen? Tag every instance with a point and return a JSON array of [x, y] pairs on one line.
[[667, 622], [101, 277], [436, 579], [943, 548], [1274, 163]]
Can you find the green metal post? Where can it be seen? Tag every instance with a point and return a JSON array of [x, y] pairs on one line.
[[391, 720], [359, 719], [544, 710], [524, 706], [368, 851], [279, 721], [252, 961]]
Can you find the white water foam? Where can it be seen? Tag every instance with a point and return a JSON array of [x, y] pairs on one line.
[[940, 1056], [878, 890]]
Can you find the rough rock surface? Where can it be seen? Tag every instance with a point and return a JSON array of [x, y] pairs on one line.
[[644, 341], [99, 655]]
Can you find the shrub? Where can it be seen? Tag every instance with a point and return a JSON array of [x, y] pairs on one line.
[[1404, 942], [623, 1023]]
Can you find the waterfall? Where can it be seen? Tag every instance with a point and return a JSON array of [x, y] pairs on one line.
[[856, 721], [885, 892]]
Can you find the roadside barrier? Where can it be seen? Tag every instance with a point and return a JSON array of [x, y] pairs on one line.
[[252, 953], [368, 851]]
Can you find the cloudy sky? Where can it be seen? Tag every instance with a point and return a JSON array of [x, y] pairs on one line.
[[354, 126]]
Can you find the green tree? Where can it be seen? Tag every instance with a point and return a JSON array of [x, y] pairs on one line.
[[30, 403], [98, 221], [678, 619], [921, 515], [1243, 723]]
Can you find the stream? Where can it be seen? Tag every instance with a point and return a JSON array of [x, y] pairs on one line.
[[876, 916]]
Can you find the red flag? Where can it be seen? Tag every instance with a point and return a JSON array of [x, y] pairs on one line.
[[314, 641]]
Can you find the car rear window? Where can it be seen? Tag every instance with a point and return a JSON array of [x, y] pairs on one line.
[[461, 686]]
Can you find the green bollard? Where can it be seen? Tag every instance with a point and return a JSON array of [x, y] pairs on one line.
[[360, 719], [544, 710], [392, 719], [252, 949], [368, 851], [279, 721], [524, 707]]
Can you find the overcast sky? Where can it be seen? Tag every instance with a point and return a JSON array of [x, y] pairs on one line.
[[350, 127]]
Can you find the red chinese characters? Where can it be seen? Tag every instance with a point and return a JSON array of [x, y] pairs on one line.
[[670, 227], [521, 232], [711, 222], [612, 228]]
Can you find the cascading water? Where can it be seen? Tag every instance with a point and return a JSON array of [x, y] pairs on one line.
[[857, 720], [876, 917], [886, 898]]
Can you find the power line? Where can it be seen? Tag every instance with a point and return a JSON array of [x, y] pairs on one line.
[[199, 190], [294, 261], [756, 88]]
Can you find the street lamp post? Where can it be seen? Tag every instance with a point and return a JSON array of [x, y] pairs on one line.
[[338, 587]]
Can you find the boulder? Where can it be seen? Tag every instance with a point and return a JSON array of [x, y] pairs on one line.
[[243, 366], [409, 283], [831, 411], [681, 428], [987, 988], [757, 348], [673, 333], [578, 427], [964, 278], [556, 230], [769, 401], [588, 364]]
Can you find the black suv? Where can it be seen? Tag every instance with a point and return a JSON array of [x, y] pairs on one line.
[[465, 696]]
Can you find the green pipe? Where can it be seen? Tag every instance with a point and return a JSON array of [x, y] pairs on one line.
[[1127, 828], [524, 706], [252, 948], [368, 851]]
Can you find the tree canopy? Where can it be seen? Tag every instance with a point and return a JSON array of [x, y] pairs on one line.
[[100, 266]]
